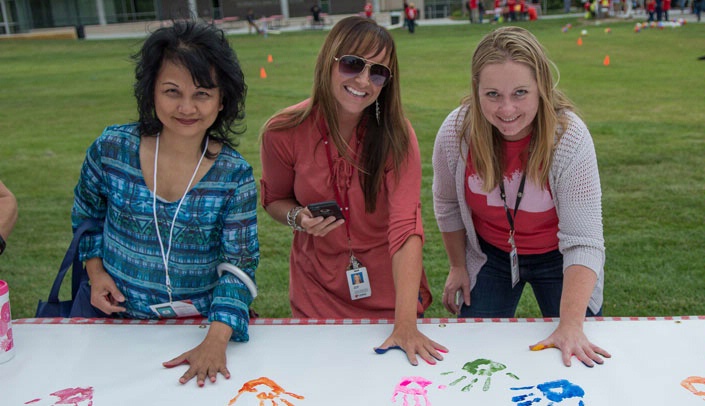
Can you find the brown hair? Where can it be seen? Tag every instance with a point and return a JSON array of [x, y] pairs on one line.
[[386, 143]]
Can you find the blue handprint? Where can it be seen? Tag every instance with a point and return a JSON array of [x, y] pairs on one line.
[[480, 367], [553, 392]]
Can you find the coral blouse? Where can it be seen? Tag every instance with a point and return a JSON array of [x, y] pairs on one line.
[[294, 165]]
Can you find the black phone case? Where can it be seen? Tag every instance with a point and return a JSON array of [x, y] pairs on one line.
[[326, 209]]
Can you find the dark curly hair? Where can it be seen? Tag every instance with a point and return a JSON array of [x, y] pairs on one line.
[[202, 49]]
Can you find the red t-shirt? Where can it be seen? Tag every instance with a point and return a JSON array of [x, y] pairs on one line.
[[411, 13], [535, 225]]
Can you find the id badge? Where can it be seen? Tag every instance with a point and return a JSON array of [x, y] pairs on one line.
[[358, 283], [514, 261], [179, 308]]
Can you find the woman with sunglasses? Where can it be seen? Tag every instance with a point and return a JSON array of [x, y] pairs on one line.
[[350, 143], [517, 196]]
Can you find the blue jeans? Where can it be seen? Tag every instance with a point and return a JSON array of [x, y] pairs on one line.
[[493, 295]]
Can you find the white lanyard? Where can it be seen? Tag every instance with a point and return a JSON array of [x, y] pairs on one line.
[[165, 257]]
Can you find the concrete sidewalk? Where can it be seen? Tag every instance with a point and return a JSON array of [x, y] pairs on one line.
[[143, 29]]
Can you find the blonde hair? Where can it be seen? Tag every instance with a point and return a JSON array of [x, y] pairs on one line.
[[485, 141], [385, 144]]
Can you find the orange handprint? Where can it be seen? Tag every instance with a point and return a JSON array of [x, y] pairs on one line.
[[690, 382], [272, 392]]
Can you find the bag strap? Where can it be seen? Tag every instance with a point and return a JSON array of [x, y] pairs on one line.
[[71, 258]]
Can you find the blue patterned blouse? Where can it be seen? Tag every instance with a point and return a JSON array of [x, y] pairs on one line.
[[216, 223]]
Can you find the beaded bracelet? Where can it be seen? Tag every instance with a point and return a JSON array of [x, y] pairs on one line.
[[291, 218]]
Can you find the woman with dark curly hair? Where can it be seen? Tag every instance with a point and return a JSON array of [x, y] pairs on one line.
[[175, 202]]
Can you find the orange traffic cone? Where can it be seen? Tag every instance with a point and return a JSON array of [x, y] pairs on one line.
[[269, 58], [606, 62], [580, 41], [262, 73]]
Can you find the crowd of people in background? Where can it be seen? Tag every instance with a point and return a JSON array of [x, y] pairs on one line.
[[501, 10], [654, 10]]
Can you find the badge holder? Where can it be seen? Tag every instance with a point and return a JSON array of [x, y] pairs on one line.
[[514, 261], [358, 281], [172, 310]]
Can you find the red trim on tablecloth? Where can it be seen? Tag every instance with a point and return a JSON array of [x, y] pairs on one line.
[[303, 322]]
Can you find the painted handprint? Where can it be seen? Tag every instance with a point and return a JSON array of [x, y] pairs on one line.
[[690, 382], [412, 386], [552, 392], [270, 391], [68, 396], [477, 369]]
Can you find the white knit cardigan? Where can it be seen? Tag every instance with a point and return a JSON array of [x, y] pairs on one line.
[[575, 185]]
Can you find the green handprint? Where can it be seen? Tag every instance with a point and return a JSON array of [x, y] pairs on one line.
[[479, 368]]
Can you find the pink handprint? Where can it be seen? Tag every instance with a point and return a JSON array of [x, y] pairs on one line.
[[70, 396], [412, 386]]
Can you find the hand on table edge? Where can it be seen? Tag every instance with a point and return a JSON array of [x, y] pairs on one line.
[[570, 339], [212, 349], [407, 338]]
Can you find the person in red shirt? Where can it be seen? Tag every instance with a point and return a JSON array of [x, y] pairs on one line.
[[473, 10], [523, 10], [666, 9], [533, 15], [517, 196], [412, 13], [351, 143], [651, 9], [510, 11], [368, 9], [497, 9]]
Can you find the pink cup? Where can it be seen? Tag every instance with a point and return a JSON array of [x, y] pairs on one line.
[[7, 345]]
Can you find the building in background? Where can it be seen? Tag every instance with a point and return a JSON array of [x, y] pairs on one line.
[[18, 16]]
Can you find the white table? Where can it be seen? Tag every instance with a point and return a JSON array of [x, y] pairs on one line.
[[332, 362]]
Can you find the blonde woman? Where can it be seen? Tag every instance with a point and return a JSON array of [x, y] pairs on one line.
[[517, 196]]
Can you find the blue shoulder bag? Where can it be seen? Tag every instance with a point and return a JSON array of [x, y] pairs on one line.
[[80, 303]]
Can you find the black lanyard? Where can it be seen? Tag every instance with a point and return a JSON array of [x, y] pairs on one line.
[[520, 194]]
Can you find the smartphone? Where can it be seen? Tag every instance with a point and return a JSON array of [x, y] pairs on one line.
[[326, 209]]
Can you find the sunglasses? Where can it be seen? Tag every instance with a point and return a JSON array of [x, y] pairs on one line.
[[351, 65]]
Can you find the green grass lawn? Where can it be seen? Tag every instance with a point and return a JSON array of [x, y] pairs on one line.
[[646, 112]]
